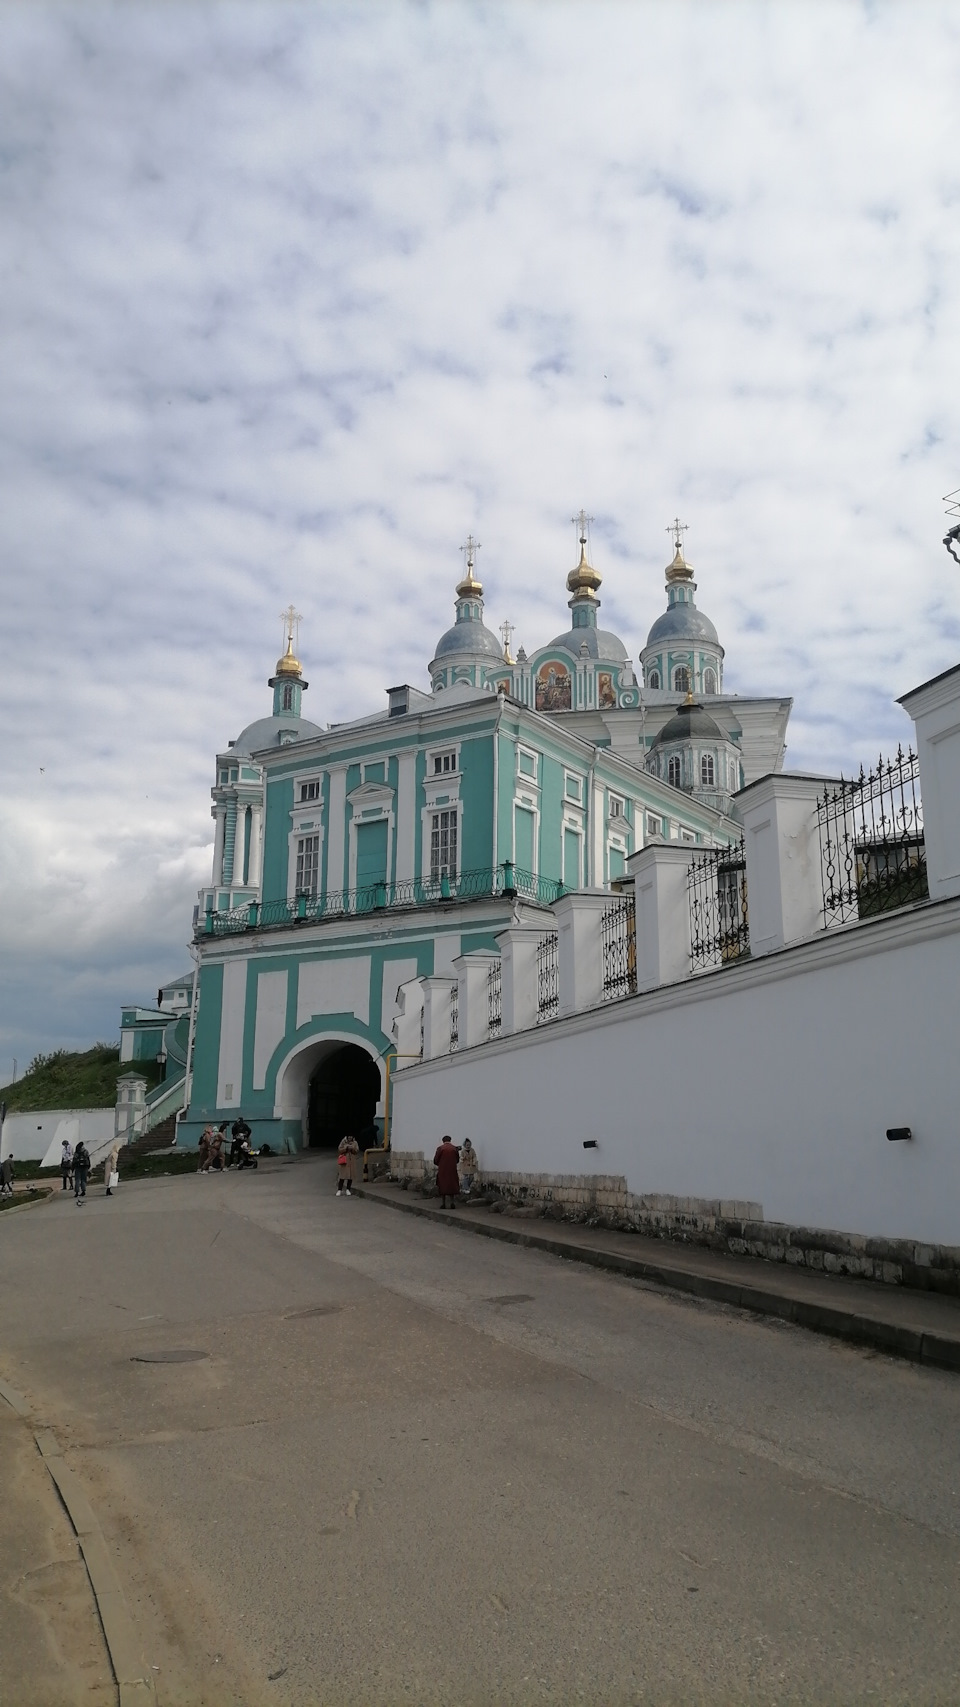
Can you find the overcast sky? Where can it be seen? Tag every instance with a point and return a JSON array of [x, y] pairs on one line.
[[295, 296]]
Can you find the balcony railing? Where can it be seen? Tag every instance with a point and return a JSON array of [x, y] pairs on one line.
[[872, 856], [485, 884], [717, 898]]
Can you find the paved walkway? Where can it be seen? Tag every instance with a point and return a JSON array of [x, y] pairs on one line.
[[922, 1326]]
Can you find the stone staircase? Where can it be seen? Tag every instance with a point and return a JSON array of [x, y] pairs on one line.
[[162, 1135]]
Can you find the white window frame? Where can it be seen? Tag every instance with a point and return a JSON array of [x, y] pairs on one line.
[[308, 800], [675, 761], [371, 803], [575, 799], [529, 779], [447, 749], [314, 836], [616, 807], [452, 871], [526, 803], [654, 826], [707, 759]]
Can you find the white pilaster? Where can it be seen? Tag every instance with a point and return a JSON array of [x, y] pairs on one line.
[[935, 709], [518, 991], [659, 872], [579, 948], [406, 816], [473, 971], [436, 1016], [782, 843], [336, 834]]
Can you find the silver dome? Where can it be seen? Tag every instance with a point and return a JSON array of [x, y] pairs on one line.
[[682, 622], [469, 638], [600, 644], [266, 732]]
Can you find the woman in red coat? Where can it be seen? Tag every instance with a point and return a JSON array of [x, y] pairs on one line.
[[448, 1180]]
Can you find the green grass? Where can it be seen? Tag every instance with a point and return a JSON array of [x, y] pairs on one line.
[[74, 1079], [21, 1197], [138, 1167]]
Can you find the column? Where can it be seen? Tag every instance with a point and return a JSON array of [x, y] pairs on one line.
[[229, 841], [436, 1016], [256, 850], [782, 844], [473, 972], [659, 872], [935, 709], [580, 949], [220, 818], [518, 955]]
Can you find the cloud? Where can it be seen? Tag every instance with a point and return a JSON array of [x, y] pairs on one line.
[[295, 296]]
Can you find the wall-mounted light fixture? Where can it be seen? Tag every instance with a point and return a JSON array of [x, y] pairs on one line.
[[897, 1134]]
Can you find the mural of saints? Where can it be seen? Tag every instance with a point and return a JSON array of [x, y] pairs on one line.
[[606, 692], [554, 688]]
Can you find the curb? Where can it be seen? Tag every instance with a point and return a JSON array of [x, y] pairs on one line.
[[34, 1203], [134, 1681], [936, 1351]]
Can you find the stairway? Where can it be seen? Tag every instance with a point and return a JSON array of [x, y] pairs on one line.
[[162, 1135]]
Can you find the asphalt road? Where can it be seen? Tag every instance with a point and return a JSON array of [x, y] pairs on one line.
[[415, 1466]]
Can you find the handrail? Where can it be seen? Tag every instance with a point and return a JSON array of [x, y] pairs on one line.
[[485, 883]]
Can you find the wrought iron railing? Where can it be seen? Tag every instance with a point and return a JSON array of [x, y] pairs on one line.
[[872, 857], [484, 884], [495, 999], [454, 1017], [717, 898], [548, 977], [618, 941]]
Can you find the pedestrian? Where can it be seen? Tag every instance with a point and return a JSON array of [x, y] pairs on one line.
[[6, 1177], [66, 1165], [469, 1167], [205, 1148], [347, 1149], [112, 1167], [81, 1168], [448, 1180], [216, 1147], [238, 1132], [248, 1157]]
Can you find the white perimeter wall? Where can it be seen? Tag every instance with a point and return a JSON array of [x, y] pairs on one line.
[[774, 1080], [33, 1137]]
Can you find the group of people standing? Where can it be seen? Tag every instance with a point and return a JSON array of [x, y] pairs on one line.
[[213, 1141], [75, 1166], [457, 1168]]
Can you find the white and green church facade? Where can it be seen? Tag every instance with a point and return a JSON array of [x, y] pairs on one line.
[[352, 861]]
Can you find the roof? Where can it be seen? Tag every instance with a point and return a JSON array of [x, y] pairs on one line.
[[600, 643], [471, 638], [682, 622], [267, 732], [689, 722]]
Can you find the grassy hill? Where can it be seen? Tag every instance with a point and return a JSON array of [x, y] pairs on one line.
[[72, 1079]]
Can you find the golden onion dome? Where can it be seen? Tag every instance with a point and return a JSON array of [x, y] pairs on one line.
[[679, 569], [584, 580], [288, 665], [469, 587]]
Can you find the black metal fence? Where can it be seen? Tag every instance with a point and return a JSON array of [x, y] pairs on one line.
[[618, 939], [454, 1017], [548, 978], [717, 898], [495, 999], [872, 857]]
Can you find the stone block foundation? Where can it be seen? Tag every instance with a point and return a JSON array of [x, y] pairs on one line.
[[722, 1224]]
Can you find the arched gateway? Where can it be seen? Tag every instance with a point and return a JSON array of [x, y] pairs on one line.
[[329, 1087]]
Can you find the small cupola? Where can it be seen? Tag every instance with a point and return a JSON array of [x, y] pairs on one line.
[[288, 684]]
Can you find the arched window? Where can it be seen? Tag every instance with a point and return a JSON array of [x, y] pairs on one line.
[[288, 698], [709, 681], [681, 679], [653, 678], [673, 770], [706, 770]]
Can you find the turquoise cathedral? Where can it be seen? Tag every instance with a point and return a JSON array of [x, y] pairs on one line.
[[352, 860]]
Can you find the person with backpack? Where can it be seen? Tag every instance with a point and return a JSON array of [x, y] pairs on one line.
[[66, 1165], [81, 1168], [348, 1148]]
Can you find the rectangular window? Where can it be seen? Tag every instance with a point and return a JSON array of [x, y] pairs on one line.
[[371, 854], [524, 840], [572, 787], [443, 845], [310, 790], [527, 763], [654, 825], [308, 865], [616, 807], [444, 762]]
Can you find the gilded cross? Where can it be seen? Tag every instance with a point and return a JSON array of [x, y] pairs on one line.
[[677, 528]]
